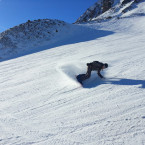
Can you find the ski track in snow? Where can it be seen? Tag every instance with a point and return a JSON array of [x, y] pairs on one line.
[[42, 103]]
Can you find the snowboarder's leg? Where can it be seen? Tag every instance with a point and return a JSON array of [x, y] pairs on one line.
[[88, 74]]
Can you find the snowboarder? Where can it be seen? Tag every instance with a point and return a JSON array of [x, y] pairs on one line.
[[93, 66]]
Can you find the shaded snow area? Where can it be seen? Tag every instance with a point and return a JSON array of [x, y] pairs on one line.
[[41, 102]]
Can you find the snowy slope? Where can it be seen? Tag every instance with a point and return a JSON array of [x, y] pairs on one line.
[[42, 104]]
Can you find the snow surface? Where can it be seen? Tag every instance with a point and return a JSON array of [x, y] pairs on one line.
[[41, 103]]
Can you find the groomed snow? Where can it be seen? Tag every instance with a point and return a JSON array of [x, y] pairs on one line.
[[42, 104]]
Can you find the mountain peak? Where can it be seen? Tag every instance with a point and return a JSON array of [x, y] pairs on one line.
[[106, 9], [33, 31], [30, 34]]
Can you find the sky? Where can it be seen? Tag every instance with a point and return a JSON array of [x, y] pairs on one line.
[[15, 12]]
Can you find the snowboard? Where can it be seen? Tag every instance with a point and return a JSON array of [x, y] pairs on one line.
[[79, 78]]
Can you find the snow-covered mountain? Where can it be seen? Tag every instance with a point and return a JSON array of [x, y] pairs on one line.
[[30, 34], [25, 38], [107, 9]]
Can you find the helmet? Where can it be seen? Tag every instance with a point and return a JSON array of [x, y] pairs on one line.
[[106, 65]]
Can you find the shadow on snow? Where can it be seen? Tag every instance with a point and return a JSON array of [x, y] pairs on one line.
[[114, 81]]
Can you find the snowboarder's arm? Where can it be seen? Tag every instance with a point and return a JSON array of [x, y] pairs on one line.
[[99, 74]]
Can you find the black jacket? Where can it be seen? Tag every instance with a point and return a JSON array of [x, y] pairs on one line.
[[96, 66]]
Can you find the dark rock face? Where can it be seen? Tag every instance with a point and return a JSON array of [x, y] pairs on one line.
[[90, 13], [126, 1], [106, 5]]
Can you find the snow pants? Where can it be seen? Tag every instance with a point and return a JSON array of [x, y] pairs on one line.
[[87, 75]]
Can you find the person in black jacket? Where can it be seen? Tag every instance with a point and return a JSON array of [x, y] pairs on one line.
[[93, 66]]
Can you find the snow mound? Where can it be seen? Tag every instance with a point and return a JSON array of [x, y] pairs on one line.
[[32, 34]]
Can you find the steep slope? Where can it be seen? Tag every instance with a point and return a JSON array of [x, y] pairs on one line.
[[42, 104], [107, 9]]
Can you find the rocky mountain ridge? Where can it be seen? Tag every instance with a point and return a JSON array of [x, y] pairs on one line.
[[107, 9], [30, 34], [37, 30]]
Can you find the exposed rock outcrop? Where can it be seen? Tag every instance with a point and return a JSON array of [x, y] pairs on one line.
[[107, 9]]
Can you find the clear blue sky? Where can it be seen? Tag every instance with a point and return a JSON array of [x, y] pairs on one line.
[[14, 12]]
